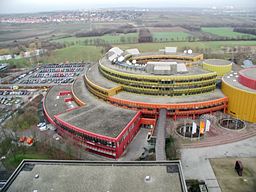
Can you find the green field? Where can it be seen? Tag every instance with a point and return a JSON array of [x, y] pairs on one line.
[[124, 38], [225, 32], [12, 162], [74, 53], [19, 63], [214, 45], [111, 39], [94, 53], [170, 36]]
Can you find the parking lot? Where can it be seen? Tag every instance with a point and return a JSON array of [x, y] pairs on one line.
[[51, 74], [11, 100], [11, 92]]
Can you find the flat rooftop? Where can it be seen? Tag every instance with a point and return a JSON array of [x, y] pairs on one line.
[[104, 120], [232, 79], [83, 176], [216, 94], [250, 73], [96, 77], [193, 70], [53, 105], [79, 90], [96, 116], [163, 53], [217, 62]]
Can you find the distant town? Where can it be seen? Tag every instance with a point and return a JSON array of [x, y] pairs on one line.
[[74, 16], [128, 99]]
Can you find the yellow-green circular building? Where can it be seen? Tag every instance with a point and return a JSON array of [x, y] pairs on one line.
[[220, 66]]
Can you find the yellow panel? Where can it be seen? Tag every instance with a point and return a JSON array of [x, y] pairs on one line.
[[219, 69], [241, 104]]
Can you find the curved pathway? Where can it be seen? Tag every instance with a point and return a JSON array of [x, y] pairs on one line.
[[220, 136]]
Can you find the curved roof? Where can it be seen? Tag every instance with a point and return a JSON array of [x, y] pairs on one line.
[[217, 62]]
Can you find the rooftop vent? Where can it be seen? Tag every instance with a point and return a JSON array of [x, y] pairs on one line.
[[190, 51], [147, 178]]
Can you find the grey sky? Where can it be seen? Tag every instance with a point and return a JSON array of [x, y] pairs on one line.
[[22, 6]]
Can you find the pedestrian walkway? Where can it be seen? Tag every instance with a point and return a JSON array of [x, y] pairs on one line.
[[220, 136], [136, 147], [196, 164], [160, 135]]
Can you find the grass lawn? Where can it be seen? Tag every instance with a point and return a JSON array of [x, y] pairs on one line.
[[112, 39], [214, 45], [19, 63], [94, 53], [169, 36], [12, 162], [225, 32], [74, 53], [37, 151], [228, 178], [25, 118]]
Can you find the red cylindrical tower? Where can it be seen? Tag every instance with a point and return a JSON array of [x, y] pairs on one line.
[[247, 77]]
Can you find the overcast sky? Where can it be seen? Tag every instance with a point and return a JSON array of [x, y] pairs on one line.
[[23, 6]]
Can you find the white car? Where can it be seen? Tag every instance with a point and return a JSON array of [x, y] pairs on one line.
[[39, 124], [43, 128]]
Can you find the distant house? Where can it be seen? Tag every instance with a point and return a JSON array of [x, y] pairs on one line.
[[5, 57], [145, 36]]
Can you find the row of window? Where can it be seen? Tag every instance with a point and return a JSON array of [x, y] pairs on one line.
[[173, 110], [156, 58], [202, 107], [87, 138], [95, 88], [159, 81], [134, 124], [169, 93], [172, 89]]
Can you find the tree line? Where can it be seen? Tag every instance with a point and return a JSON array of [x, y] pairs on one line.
[[251, 31], [103, 31]]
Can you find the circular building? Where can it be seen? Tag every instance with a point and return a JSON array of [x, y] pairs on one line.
[[153, 81], [240, 88], [221, 67], [105, 108], [247, 77]]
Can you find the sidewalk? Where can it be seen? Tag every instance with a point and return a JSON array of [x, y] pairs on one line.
[[196, 164]]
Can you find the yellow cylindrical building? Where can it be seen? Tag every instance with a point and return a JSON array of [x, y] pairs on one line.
[[241, 99], [221, 67]]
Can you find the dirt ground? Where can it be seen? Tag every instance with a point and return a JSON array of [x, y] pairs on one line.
[[228, 178]]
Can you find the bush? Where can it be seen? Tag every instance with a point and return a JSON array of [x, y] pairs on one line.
[[171, 149]]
